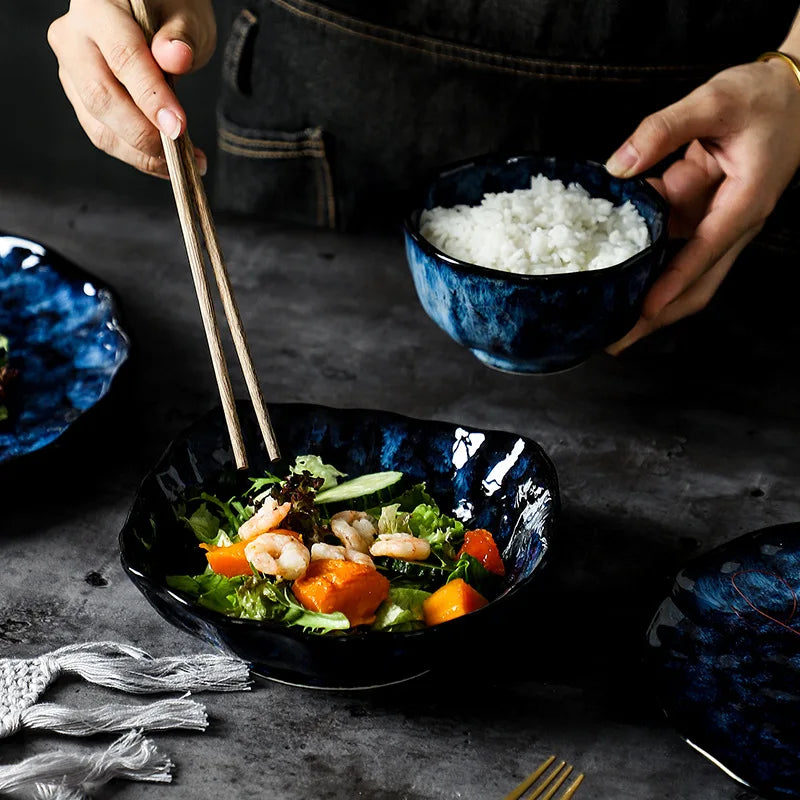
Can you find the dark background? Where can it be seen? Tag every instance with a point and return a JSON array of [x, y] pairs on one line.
[[42, 146]]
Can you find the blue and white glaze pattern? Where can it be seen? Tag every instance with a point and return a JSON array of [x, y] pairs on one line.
[[490, 479], [65, 339], [533, 323], [724, 648]]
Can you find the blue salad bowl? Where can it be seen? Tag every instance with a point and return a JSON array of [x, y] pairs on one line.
[[532, 323], [488, 479]]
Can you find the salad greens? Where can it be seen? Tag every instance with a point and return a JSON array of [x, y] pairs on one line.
[[253, 598], [314, 495], [315, 467], [7, 375], [401, 611]]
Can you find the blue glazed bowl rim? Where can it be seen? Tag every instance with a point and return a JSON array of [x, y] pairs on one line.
[[217, 619], [412, 228], [68, 270]]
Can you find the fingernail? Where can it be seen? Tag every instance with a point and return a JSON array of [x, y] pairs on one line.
[[185, 45], [169, 123], [622, 162]]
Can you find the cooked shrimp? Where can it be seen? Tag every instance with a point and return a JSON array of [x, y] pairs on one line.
[[321, 550], [278, 554], [354, 529], [401, 545], [269, 516], [358, 557]]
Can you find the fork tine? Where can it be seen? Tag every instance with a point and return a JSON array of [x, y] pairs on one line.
[[561, 778], [523, 787], [548, 779], [573, 787]]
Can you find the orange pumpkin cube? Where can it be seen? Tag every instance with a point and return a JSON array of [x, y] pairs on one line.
[[229, 561], [331, 585], [452, 600]]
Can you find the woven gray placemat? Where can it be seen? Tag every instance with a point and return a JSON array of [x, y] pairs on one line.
[[68, 776]]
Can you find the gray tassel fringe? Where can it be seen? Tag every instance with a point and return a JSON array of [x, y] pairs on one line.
[[130, 669], [159, 716], [116, 666], [69, 776]]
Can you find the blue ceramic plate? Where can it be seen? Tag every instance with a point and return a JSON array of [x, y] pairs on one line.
[[725, 650], [489, 479], [64, 337]]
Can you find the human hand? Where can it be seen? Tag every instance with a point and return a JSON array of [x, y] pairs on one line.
[[116, 83], [742, 153]]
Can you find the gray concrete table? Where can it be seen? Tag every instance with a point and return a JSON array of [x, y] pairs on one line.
[[683, 443]]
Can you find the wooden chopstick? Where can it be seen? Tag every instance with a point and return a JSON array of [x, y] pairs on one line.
[[229, 303], [193, 210]]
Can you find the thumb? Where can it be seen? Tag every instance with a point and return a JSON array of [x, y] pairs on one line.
[[696, 116], [185, 40]]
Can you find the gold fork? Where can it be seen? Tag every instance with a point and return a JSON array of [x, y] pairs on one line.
[[549, 783]]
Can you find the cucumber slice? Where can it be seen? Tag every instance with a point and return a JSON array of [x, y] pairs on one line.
[[422, 574], [359, 487]]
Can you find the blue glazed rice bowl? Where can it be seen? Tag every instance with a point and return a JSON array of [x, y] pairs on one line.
[[532, 323]]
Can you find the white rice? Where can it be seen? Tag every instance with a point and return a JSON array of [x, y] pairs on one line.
[[546, 229]]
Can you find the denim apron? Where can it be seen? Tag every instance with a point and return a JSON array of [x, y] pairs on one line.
[[332, 113]]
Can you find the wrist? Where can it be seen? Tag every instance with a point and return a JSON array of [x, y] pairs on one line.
[[784, 67], [791, 45]]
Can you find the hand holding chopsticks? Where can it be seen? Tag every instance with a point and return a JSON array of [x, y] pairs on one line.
[[194, 212]]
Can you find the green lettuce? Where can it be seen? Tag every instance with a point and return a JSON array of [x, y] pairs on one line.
[[401, 611], [7, 375], [392, 520], [444, 534], [406, 500], [315, 467], [258, 486], [250, 597], [206, 526], [263, 598], [235, 512], [471, 571], [429, 523], [214, 522], [209, 590]]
